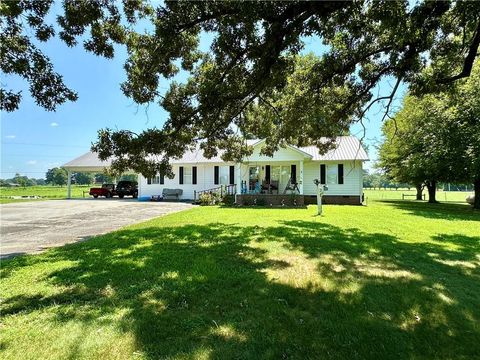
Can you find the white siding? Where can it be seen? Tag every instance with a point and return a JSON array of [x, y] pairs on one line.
[[352, 178], [205, 180], [283, 154]]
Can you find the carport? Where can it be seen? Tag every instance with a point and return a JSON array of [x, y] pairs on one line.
[[88, 162]]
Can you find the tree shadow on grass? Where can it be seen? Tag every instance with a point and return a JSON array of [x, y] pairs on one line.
[[444, 211], [219, 289]]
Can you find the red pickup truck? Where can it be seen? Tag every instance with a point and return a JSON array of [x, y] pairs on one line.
[[107, 190]]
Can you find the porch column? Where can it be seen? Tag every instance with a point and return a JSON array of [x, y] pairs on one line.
[[69, 184], [301, 177], [238, 168]]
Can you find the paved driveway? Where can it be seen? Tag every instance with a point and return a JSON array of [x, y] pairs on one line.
[[29, 227]]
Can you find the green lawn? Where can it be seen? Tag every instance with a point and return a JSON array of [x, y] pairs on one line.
[[393, 280], [45, 192]]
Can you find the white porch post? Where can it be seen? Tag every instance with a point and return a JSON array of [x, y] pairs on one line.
[[238, 168], [69, 184], [301, 177]]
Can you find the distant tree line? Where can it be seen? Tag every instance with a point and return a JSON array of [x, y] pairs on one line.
[[378, 180], [21, 180], [59, 176]]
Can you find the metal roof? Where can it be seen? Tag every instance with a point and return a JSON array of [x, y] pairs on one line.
[[87, 162], [347, 148]]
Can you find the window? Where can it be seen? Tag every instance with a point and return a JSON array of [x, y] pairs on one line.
[[187, 174], [332, 174], [275, 173], [224, 175], [158, 179]]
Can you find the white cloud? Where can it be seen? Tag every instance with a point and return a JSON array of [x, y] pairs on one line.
[[31, 162], [11, 136], [54, 124]]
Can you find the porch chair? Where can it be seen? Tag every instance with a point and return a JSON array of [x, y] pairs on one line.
[[256, 188], [265, 186], [244, 188], [273, 186], [292, 185]]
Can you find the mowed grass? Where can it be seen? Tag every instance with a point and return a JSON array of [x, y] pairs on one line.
[[392, 280], [46, 192]]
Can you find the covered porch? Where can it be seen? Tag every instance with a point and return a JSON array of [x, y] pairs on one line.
[[270, 178], [282, 174]]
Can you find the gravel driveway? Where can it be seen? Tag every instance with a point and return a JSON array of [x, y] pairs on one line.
[[30, 227]]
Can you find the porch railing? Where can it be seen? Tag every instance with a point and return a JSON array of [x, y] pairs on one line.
[[222, 190]]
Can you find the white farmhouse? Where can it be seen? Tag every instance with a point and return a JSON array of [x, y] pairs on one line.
[[288, 175]]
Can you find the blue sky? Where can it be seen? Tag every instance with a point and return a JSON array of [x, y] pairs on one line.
[[34, 140]]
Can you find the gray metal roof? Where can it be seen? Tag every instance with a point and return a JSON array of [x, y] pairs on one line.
[[348, 148]]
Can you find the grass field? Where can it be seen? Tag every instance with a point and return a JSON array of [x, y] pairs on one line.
[[45, 192], [60, 192], [442, 196], [391, 280]]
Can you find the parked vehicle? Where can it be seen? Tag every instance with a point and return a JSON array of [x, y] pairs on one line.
[[125, 188], [107, 190]]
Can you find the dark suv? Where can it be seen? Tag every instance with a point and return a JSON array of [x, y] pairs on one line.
[[127, 188]]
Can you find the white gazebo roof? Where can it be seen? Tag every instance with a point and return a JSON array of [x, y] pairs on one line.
[[87, 162]]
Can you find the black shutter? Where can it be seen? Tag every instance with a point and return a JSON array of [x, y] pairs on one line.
[[194, 175], [340, 173], [267, 174], [293, 175], [232, 175], [180, 173], [149, 181], [216, 173], [162, 178], [322, 174]]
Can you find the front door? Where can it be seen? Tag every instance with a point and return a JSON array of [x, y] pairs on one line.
[[284, 178]]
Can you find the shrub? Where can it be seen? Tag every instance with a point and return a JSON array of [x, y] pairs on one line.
[[261, 202], [228, 199], [211, 198]]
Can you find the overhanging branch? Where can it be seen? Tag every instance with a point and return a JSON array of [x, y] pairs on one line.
[[469, 59]]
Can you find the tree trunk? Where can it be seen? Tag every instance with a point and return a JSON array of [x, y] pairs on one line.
[[476, 187], [432, 190], [419, 188]]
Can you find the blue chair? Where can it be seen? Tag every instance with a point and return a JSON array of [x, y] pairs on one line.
[[257, 189], [243, 187]]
